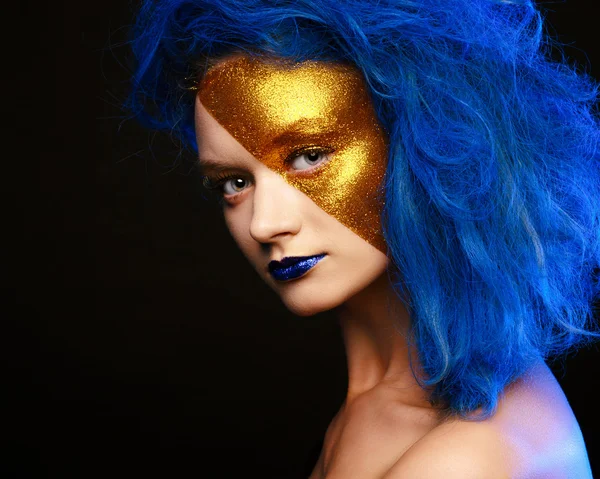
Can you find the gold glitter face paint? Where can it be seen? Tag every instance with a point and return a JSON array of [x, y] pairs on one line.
[[275, 108]]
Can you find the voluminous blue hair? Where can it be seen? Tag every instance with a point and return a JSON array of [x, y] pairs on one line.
[[492, 212]]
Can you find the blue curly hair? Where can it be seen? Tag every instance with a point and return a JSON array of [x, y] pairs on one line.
[[492, 190]]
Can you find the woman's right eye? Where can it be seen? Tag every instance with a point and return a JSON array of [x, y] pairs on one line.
[[233, 185], [227, 185]]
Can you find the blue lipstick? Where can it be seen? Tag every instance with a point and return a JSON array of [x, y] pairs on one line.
[[293, 267]]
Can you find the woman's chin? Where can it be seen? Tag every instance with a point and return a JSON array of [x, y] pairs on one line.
[[310, 299], [308, 307]]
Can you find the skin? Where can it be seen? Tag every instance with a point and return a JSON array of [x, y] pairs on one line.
[[386, 427]]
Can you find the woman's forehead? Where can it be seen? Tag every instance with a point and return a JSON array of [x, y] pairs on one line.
[[266, 104], [282, 92]]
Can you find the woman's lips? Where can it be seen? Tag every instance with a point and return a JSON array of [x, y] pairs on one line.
[[293, 267]]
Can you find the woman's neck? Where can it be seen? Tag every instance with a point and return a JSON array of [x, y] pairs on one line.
[[374, 325]]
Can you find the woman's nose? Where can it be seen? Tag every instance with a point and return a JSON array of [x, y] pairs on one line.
[[275, 209]]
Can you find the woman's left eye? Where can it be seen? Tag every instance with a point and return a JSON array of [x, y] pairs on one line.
[[308, 159]]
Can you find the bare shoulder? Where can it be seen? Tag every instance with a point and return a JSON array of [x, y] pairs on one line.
[[456, 449], [533, 434]]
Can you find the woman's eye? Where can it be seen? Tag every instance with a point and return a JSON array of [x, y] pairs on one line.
[[233, 186], [308, 160]]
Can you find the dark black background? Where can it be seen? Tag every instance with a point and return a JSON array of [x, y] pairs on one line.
[[138, 340]]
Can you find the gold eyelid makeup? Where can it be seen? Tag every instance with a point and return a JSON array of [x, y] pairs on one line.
[[225, 172], [275, 109], [326, 153]]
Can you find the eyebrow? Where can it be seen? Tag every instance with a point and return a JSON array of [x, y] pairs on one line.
[[303, 129], [208, 164], [295, 133]]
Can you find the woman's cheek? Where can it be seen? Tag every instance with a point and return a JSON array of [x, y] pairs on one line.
[[238, 215]]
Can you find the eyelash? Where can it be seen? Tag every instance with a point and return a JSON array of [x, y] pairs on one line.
[[218, 182]]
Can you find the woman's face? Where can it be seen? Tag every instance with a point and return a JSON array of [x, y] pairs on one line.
[[298, 156]]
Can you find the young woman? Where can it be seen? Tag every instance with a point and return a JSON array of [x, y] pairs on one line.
[[425, 170]]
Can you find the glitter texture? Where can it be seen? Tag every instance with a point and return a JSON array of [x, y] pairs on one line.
[[295, 270], [274, 108]]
